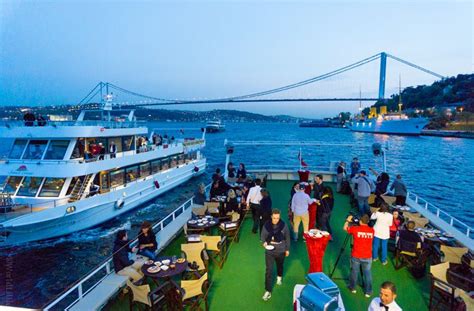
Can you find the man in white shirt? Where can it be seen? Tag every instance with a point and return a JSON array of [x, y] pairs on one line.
[[253, 199], [386, 299]]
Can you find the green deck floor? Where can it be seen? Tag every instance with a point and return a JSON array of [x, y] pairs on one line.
[[240, 283]]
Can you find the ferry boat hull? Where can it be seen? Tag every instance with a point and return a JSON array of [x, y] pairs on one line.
[[90, 212], [412, 127]]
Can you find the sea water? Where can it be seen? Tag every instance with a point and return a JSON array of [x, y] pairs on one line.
[[438, 169]]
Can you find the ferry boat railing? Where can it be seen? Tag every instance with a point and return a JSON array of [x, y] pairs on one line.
[[64, 301], [104, 124], [452, 221]]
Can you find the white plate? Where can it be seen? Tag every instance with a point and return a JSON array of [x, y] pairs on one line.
[[158, 263], [201, 224], [192, 222], [153, 269], [166, 262], [164, 268], [270, 247]]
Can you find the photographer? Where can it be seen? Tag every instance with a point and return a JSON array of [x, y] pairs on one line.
[[361, 255]]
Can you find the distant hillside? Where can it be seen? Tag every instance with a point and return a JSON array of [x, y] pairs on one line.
[[158, 114], [450, 91]]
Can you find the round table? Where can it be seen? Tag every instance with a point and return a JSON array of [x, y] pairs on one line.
[[316, 248], [211, 222], [180, 268]]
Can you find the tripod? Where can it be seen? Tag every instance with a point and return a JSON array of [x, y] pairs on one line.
[[346, 240]]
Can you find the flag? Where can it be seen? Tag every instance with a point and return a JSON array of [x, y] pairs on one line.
[[302, 162]]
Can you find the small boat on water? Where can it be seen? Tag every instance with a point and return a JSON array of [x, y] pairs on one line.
[[316, 123], [396, 123], [214, 126], [63, 177]]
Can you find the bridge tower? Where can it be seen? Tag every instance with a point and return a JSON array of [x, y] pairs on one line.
[[383, 67]]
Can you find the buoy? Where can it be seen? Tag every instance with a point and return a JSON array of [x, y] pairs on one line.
[[119, 203], [157, 184]]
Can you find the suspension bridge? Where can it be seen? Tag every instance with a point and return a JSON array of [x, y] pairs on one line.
[[103, 88]]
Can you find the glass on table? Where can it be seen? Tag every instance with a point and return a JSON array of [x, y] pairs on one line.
[[173, 259]]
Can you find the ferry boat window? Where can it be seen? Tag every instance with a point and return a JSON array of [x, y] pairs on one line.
[[128, 143], [155, 166], [118, 144], [52, 187], [12, 183], [181, 159], [78, 151], [165, 164], [29, 187], [131, 173], [35, 149], [104, 182], [17, 149], [116, 178], [56, 150], [145, 169], [71, 185], [174, 161]]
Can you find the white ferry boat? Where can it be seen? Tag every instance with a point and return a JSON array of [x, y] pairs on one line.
[[396, 123], [215, 126], [62, 177]]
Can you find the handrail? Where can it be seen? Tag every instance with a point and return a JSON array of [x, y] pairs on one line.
[[453, 221], [106, 124], [78, 285]]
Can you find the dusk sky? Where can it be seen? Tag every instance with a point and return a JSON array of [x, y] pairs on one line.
[[54, 52]]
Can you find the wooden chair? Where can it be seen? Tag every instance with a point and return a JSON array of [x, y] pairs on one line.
[[192, 292], [230, 230], [143, 296], [217, 246], [420, 222], [389, 199], [212, 207], [191, 231], [196, 253], [199, 210], [453, 254], [411, 255], [442, 293]]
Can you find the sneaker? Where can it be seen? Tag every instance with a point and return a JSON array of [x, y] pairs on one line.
[[368, 295], [353, 290], [384, 262], [375, 259], [267, 296], [278, 280]]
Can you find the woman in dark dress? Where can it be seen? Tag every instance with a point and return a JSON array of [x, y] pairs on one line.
[[230, 170], [232, 205], [265, 208], [147, 241]]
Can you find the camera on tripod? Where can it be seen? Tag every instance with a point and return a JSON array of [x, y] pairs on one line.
[[354, 219]]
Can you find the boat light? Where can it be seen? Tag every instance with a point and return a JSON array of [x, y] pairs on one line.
[[70, 209]]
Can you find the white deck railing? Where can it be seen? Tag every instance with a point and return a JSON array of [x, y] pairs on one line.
[[79, 288]]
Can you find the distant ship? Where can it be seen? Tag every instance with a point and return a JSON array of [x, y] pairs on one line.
[[396, 123], [316, 123], [214, 126]]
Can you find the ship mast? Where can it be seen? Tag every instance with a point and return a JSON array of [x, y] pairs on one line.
[[400, 93]]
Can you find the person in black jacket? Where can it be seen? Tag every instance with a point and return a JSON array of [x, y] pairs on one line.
[[123, 265], [232, 204], [241, 173], [265, 208], [147, 241], [318, 189], [326, 206], [230, 170]]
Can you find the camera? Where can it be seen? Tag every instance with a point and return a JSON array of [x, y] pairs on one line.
[[355, 219]]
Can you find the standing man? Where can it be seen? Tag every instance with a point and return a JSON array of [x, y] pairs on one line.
[[274, 233], [365, 186], [400, 191], [341, 174], [253, 200], [318, 189], [361, 255], [112, 150], [299, 207], [386, 299], [355, 167]]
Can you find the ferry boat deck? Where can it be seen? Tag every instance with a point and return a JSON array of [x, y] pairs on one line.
[[239, 285]]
